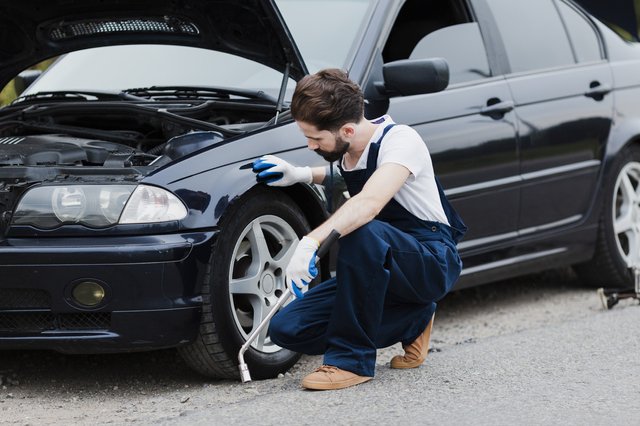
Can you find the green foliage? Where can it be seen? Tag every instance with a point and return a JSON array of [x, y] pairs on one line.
[[8, 93]]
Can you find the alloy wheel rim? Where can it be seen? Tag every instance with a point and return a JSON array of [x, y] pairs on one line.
[[626, 213], [257, 275]]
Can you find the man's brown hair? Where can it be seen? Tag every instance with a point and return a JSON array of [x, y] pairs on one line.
[[328, 100]]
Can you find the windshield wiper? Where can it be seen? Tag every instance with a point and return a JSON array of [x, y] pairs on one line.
[[78, 95], [198, 93]]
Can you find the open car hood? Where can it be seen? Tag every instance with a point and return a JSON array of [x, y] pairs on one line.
[[34, 30]]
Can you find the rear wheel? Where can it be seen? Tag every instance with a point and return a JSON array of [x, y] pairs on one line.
[[618, 247], [244, 279]]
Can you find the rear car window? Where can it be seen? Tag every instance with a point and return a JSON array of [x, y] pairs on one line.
[[533, 34], [585, 41]]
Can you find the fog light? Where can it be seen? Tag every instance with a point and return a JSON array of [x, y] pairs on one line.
[[88, 293]]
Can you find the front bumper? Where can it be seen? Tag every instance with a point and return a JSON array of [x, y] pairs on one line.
[[152, 292]]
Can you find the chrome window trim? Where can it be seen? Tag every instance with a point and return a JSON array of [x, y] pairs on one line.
[[523, 232], [468, 189], [512, 261]]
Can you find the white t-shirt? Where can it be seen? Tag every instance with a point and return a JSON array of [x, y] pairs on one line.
[[403, 145]]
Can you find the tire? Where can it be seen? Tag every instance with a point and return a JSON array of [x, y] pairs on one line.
[[243, 278], [618, 245]]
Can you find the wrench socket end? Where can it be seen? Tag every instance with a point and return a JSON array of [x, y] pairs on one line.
[[244, 373]]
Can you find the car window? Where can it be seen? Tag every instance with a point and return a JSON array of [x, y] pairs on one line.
[[324, 30], [532, 33], [585, 41], [115, 68], [439, 28], [462, 46]]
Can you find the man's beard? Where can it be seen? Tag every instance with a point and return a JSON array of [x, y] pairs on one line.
[[341, 148]]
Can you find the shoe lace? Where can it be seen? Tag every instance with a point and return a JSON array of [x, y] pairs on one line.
[[330, 369]]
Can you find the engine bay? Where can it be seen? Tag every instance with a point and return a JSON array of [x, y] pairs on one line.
[[120, 134], [64, 150]]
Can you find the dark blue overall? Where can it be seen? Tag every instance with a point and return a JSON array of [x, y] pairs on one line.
[[389, 275]]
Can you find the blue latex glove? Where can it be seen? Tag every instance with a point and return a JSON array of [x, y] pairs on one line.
[[275, 171], [302, 266]]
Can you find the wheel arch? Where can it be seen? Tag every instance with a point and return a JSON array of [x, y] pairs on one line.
[[312, 206], [309, 199], [623, 134]]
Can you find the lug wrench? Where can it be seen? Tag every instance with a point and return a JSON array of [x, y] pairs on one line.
[[244, 369], [611, 296]]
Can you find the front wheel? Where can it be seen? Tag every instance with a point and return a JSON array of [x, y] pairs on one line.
[[618, 246], [245, 278]]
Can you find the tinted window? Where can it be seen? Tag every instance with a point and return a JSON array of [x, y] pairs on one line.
[[533, 34], [583, 37], [325, 31], [461, 45]]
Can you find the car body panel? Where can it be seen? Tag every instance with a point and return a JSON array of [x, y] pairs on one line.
[[152, 284], [490, 151], [562, 134]]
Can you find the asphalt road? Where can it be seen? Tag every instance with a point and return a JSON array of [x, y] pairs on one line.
[[537, 350]]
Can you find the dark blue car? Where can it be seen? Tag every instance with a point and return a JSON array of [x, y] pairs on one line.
[[130, 218]]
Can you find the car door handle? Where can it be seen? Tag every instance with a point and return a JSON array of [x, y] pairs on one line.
[[498, 108], [597, 91]]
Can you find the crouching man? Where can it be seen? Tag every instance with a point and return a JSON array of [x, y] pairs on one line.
[[397, 253]]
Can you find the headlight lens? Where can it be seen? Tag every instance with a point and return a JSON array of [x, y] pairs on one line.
[[150, 204], [97, 206], [69, 203]]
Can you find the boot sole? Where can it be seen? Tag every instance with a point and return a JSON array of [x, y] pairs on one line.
[[313, 385], [402, 364]]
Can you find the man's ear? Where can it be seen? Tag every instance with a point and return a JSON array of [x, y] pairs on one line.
[[348, 130]]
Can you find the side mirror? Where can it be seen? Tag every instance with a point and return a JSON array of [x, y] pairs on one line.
[[24, 80], [414, 77]]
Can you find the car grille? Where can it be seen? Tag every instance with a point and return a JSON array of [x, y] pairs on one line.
[[33, 322], [85, 321], [17, 298], [14, 300]]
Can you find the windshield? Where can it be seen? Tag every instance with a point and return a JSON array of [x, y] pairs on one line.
[[327, 32]]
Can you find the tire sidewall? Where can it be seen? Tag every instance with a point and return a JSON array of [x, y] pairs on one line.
[[626, 156], [258, 203]]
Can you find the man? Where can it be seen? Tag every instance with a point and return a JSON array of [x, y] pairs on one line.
[[397, 253]]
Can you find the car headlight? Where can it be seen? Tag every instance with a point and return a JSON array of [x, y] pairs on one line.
[[69, 203], [149, 204], [97, 206]]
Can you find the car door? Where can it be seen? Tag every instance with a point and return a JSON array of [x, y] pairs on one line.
[[470, 128], [560, 83]]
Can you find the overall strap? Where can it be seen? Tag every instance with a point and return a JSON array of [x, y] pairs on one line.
[[374, 149]]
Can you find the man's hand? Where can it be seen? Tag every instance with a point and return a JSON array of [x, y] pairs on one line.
[[275, 171], [302, 266]]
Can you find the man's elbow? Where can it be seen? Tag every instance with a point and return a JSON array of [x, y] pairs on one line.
[[371, 208]]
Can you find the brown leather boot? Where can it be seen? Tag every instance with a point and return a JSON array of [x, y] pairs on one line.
[[329, 377], [416, 352]]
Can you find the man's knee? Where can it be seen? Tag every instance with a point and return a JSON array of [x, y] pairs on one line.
[[280, 329]]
